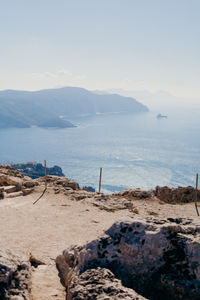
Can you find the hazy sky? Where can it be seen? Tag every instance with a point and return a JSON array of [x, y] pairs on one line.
[[100, 44]]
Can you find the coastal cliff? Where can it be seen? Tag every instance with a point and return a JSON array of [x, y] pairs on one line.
[[46, 108]]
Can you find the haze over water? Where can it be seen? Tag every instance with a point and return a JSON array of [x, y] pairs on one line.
[[145, 49], [133, 150]]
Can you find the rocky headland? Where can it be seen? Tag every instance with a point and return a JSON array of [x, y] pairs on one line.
[[131, 245], [36, 170], [48, 108]]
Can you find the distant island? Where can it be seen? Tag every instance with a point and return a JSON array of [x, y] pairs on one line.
[[44, 108]]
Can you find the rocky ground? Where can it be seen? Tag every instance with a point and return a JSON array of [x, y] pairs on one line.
[[65, 216], [157, 258]]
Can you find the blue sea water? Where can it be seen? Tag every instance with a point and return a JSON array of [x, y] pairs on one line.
[[133, 150]]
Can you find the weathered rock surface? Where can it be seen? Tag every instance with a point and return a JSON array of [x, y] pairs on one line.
[[160, 259], [176, 195], [14, 277], [7, 180], [60, 183], [166, 194], [7, 170], [137, 193], [10, 189], [14, 194], [111, 202], [14, 184], [29, 183], [27, 191], [99, 284]]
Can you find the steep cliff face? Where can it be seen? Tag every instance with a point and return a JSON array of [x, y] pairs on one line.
[[157, 258]]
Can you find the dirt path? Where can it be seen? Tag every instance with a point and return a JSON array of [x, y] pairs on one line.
[[44, 230], [55, 222]]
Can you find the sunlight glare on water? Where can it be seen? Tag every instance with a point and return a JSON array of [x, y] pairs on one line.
[[133, 150]]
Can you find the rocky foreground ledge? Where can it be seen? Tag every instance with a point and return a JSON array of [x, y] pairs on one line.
[[138, 257], [15, 277], [160, 259], [14, 183]]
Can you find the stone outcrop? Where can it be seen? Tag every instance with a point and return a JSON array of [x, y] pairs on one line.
[[36, 170], [109, 203], [14, 194], [137, 193], [7, 180], [176, 195], [159, 259], [14, 184], [99, 284], [15, 283], [166, 194], [60, 183]]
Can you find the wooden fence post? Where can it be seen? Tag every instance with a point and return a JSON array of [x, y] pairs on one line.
[[100, 180], [196, 194], [45, 172]]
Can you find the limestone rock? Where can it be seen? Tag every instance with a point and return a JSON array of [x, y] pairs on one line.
[[10, 189], [176, 195], [13, 195], [27, 191], [29, 183], [14, 184], [58, 182], [11, 180], [7, 170], [159, 259], [137, 193], [99, 284], [111, 203], [14, 277], [74, 185]]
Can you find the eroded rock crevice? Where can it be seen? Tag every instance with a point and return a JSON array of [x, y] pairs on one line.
[[15, 277], [159, 259]]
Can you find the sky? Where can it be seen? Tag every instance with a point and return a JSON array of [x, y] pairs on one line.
[[136, 45]]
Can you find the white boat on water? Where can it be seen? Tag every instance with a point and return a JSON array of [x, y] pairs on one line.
[[159, 116]]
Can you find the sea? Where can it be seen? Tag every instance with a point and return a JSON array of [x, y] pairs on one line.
[[133, 150]]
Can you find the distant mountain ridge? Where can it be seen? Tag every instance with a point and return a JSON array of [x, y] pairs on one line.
[[45, 107]]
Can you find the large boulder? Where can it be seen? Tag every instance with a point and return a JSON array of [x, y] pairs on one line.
[[14, 277], [176, 195], [159, 259], [137, 193], [7, 170], [60, 182], [7, 180], [99, 284]]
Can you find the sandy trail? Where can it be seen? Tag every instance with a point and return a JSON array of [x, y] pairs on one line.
[[55, 222]]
